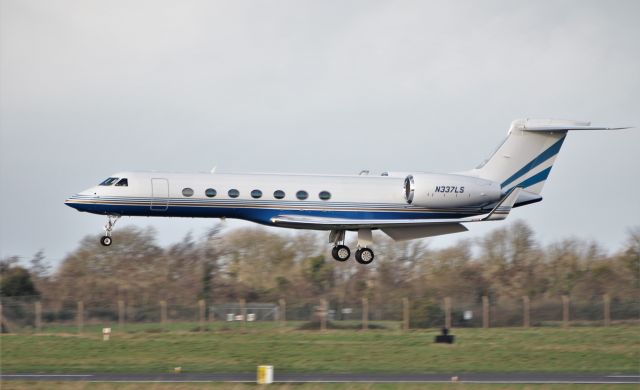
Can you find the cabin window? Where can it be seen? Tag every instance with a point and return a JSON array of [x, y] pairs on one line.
[[324, 195], [302, 195], [123, 183], [233, 193], [187, 192], [109, 181], [210, 192], [255, 194], [278, 194]]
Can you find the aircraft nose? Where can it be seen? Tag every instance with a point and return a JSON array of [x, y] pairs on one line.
[[81, 200], [71, 202]]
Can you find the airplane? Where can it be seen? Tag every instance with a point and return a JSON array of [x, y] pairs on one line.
[[403, 205]]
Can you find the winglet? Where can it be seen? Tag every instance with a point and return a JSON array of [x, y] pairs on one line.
[[502, 209]]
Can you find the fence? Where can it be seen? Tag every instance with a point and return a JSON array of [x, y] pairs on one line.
[[28, 314]]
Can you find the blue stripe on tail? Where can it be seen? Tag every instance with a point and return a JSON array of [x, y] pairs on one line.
[[542, 157], [535, 179]]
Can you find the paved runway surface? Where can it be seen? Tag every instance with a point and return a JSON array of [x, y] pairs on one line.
[[338, 378]]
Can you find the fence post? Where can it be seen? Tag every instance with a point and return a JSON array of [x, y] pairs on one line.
[[485, 311], [323, 315], [525, 312], [120, 314], [211, 315], [565, 311], [283, 311], [405, 314], [243, 312], [607, 309], [80, 316], [38, 309], [2, 327], [365, 313], [447, 312], [203, 313], [163, 313]]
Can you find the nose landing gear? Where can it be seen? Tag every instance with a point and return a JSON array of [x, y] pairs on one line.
[[106, 240]]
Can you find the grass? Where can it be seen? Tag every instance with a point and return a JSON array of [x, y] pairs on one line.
[[613, 349]]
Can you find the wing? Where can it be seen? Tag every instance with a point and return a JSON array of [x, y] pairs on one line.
[[499, 212]]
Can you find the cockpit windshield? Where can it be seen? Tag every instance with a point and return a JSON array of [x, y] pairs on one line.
[[109, 181], [123, 182]]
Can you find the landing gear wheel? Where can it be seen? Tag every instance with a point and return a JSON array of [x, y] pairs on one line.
[[341, 252], [364, 256], [106, 240]]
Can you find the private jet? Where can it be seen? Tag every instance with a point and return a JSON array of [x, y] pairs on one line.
[[403, 205]]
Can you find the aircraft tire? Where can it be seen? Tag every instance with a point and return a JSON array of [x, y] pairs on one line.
[[106, 240], [364, 256], [341, 252]]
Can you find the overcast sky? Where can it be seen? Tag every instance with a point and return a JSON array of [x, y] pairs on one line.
[[88, 88]]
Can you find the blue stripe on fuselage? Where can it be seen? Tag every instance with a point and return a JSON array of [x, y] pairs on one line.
[[259, 215]]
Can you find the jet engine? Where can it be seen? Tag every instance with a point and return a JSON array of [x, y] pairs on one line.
[[440, 190]]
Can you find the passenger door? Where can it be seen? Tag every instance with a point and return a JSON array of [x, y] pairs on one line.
[[159, 194]]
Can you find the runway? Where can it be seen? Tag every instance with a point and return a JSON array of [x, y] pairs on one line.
[[524, 378]]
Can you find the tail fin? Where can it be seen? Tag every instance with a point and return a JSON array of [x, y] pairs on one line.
[[525, 157]]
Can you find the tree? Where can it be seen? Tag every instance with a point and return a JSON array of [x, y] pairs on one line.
[[133, 270], [319, 273], [39, 266], [16, 282], [210, 254]]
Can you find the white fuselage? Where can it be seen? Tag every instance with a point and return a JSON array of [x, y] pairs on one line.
[[263, 196]]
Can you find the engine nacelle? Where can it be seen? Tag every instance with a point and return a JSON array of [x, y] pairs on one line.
[[439, 190]]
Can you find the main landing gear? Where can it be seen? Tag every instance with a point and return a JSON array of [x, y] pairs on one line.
[[106, 240], [341, 252]]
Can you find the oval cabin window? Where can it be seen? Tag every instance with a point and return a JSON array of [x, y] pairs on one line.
[[302, 195], [187, 192], [210, 192], [255, 194], [278, 194], [233, 193], [324, 195]]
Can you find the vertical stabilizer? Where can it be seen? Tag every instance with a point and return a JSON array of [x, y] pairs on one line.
[[525, 157]]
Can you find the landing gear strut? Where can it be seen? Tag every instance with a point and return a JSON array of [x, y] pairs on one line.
[[106, 240]]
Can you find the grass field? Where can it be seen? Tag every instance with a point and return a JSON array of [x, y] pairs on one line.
[[612, 350]]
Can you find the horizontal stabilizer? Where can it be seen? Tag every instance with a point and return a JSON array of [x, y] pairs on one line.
[[556, 125]]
